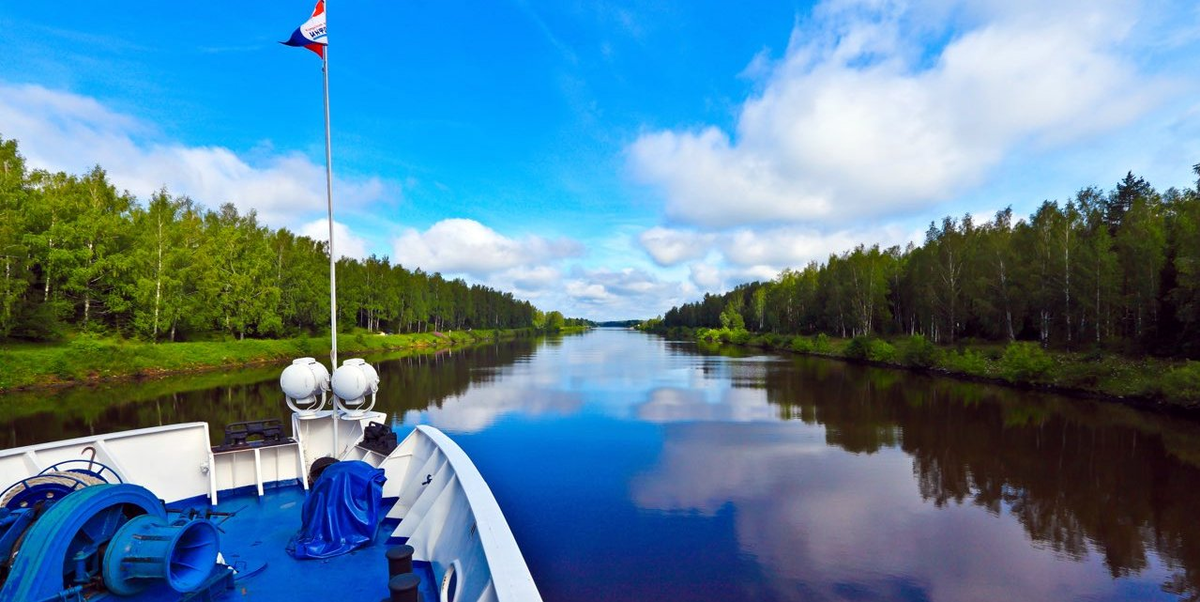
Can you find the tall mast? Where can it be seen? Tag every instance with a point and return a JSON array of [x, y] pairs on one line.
[[337, 452], [333, 256], [329, 199]]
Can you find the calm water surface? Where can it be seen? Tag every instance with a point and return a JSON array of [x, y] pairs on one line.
[[635, 468]]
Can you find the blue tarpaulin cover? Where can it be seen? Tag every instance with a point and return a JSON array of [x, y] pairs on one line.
[[341, 513]]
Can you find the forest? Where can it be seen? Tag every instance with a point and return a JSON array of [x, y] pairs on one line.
[[1116, 270], [79, 256]]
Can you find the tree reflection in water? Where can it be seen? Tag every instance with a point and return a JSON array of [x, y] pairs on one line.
[[408, 382], [756, 443], [1080, 477]]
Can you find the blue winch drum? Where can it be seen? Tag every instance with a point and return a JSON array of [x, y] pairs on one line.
[[182, 554]]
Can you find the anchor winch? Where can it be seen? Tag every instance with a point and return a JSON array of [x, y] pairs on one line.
[[112, 539]]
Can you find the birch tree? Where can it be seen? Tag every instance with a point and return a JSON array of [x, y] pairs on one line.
[[14, 254]]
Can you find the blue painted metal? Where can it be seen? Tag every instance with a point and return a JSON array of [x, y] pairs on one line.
[[61, 549], [341, 513], [452, 585], [91, 468], [182, 554], [255, 534], [12, 525], [429, 585], [44, 491]]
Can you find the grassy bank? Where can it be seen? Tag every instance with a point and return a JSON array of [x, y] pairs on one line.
[[1174, 384], [90, 359]]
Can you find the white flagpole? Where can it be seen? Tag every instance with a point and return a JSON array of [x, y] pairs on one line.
[[333, 354], [329, 200]]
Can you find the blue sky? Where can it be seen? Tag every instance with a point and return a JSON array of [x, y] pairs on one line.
[[611, 159]]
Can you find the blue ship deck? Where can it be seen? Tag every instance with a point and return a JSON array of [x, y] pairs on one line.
[[254, 537]]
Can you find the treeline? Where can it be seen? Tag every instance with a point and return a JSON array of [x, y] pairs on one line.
[[76, 254], [1117, 269]]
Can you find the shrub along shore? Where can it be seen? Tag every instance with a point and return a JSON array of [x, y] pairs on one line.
[[87, 359], [1144, 381]]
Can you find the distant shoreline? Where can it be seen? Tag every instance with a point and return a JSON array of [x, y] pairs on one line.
[[1148, 383]]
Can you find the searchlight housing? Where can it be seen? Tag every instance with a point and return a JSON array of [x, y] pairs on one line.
[[304, 385], [352, 383]]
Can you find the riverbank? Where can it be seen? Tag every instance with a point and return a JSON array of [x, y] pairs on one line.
[[90, 360], [1148, 381]]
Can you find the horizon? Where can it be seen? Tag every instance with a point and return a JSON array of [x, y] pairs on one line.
[[609, 160]]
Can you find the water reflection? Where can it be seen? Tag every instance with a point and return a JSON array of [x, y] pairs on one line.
[[635, 468], [479, 408], [669, 404], [1102, 486], [409, 381], [831, 526]]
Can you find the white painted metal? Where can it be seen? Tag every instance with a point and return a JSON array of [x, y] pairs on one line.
[[447, 512], [173, 461], [329, 199], [449, 516], [351, 384], [258, 466], [315, 434], [304, 385]]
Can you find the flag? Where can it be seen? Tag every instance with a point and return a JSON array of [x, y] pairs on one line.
[[311, 34]]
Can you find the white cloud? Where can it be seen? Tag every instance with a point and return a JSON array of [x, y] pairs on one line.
[[467, 246], [744, 254], [794, 246], [589, 293], [533, 278], [857, 122], [535, 268], [346, 244], [609, 294], [706, 277], [630, 286], [633, 287], [780, 247], [669, 247], [715, 278], [62, 131]]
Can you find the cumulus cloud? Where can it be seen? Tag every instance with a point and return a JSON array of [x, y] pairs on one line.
[[669, 247], [745, 254], [536, 268], [346, 244], [469, 247], [622, 293], [589, 293], [707, 277], [862, 119], [533, 278], [794, 246], [548, 272], [778, 247], [716, 278], [594, 287], [62, 131]]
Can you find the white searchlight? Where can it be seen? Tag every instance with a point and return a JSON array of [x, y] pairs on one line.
[[304, 385], [352, 383]]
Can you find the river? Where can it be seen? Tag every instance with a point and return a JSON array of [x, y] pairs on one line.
[[631, 467]]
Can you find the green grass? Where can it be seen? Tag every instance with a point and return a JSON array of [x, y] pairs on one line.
[[1174, 383], [90, 359]]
